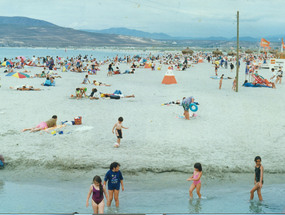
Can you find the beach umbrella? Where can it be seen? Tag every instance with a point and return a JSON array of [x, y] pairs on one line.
[[187, 51], [18, 75]]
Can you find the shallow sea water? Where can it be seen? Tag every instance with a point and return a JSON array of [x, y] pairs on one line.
[[167, 193]]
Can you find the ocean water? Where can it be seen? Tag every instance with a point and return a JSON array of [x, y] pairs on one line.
[[100, 54], [167, 194]]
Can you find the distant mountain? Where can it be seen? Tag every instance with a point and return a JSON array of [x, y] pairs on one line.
[[24, 21], [23, 31], [163, 36], [132, 32]]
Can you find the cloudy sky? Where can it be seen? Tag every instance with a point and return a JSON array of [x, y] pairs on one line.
[[191, 18]]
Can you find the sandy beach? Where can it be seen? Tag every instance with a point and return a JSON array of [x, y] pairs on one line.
[[229, 131]]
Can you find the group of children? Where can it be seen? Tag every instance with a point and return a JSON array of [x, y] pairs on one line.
[[114, 178]]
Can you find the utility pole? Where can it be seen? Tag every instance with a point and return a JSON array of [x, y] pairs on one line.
[[237, 51]]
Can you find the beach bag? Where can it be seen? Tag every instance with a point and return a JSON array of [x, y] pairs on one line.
[[78, 120]]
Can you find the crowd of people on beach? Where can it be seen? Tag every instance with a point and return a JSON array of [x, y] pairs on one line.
[[91, 66]]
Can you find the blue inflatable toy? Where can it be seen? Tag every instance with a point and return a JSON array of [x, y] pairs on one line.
[[193, 107]]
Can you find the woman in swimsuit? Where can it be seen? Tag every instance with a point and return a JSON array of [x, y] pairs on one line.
[[97, 198], [258, 179], [197, 174]]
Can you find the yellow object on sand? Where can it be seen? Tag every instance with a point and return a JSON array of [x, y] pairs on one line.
[[158, 68]]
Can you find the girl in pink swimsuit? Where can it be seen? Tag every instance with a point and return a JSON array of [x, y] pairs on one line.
[[197, 174], [98, 190]]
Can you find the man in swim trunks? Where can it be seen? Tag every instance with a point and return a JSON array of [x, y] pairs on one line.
[[43, 125]]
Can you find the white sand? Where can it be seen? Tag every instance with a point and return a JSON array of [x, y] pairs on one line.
[[230, 130]]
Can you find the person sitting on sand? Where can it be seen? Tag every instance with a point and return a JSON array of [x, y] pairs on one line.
[[85, 80], [24, 88], [97, 83], [117, 71], [78, 93], [94, 94], [43, 125]]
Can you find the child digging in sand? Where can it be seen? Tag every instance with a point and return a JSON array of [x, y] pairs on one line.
[[119, 127]]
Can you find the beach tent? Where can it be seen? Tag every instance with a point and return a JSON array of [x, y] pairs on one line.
[[169, 78]]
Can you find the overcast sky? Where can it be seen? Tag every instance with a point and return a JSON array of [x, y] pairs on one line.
[[193, 18]]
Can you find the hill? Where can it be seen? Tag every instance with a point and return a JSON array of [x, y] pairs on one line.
[[27, 32]]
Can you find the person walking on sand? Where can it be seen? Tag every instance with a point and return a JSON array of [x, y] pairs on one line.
[[118, 126], [221, 81], [197, 174], [216, 69], [43, 125], [232, 66], [234, 84], [115, 179], [258, 179], [98, 191], [110, 70]]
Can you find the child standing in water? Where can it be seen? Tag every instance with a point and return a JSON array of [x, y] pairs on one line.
[[97, 198], [197, 174], [119, 127], [258, 179], [115, 179]]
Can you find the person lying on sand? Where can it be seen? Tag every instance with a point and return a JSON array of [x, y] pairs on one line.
[[97, 83], [43, 125], [42, 75], [115, 96], [25, 88]]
